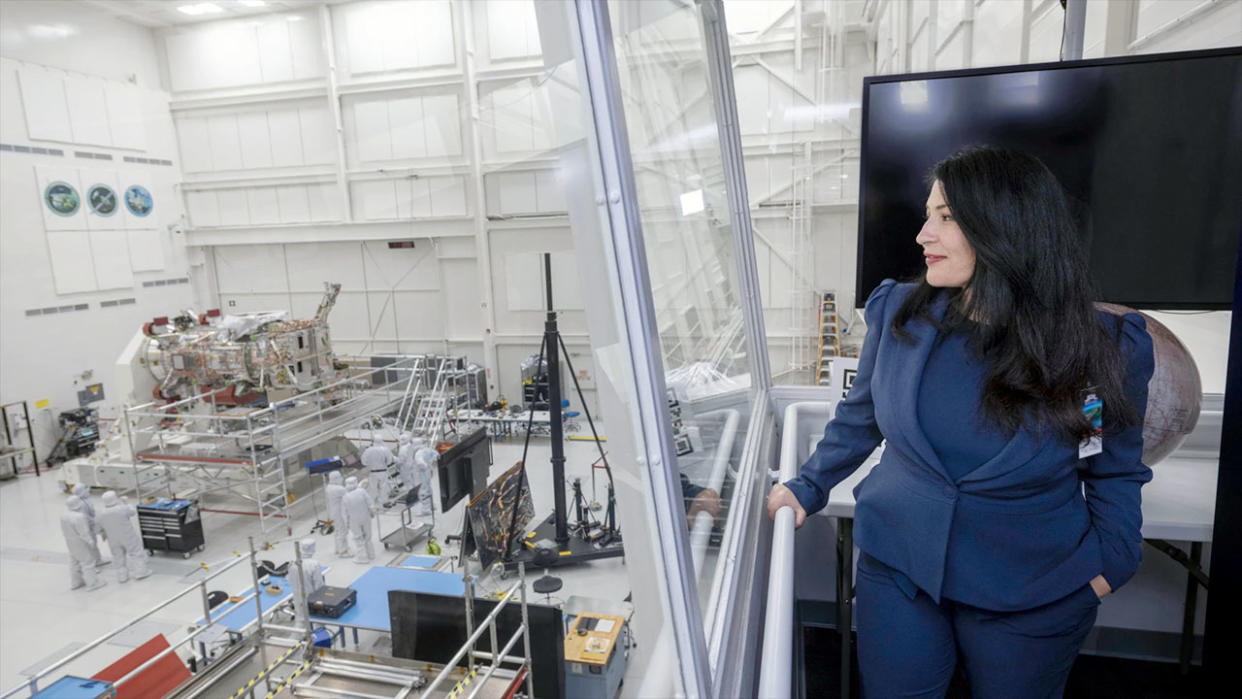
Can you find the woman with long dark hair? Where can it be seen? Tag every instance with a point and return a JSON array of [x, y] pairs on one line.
[[1002, 510]]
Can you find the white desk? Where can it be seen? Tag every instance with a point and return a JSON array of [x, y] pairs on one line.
[[1180, 501], [1179, 504], [502, 424]]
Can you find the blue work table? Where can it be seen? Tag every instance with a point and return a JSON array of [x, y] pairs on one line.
[[373, 586], [369, 612], [70, 687]]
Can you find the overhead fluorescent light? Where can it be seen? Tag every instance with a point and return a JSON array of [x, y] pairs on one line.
[[200, 8], [692, 202], [51, 31], [252, 3]]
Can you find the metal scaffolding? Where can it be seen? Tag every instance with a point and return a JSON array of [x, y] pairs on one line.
[[254, 452]]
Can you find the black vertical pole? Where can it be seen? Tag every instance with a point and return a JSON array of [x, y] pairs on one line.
[[34, 455], [551, 340], [1224, 611]]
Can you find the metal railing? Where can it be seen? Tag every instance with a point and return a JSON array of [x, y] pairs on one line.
[[701, 527], [32, 684], [775, 668]]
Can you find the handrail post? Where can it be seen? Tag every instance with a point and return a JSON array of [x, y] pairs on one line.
[[202, 586], [530, 682], [302, 604], [258, 602], [491, 629], [469, 597]]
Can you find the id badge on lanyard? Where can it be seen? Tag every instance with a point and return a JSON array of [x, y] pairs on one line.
[[1093, 410]]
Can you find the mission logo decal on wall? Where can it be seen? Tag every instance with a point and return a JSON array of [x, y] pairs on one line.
[[102, 199], [62, 199], [138, 200]]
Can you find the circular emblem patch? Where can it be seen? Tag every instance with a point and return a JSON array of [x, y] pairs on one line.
[[102, 199], [62, 199], [138, 200]]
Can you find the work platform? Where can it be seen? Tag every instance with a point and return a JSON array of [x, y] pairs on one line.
[[255, 452]]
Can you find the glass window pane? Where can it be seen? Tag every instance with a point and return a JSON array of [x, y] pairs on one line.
[[692, 258]]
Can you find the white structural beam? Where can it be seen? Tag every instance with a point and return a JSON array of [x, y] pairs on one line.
[[1180, 21], [403, 229], [464, 26]]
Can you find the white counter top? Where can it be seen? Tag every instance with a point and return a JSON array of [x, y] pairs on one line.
[[1179, 503]]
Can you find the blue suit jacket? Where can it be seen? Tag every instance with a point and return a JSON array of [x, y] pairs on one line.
[[1013, 533]]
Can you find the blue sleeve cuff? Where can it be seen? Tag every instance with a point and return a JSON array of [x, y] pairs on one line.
[[809, 496], [1119, 566]]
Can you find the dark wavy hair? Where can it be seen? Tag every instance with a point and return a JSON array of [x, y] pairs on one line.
[[1030, 297]]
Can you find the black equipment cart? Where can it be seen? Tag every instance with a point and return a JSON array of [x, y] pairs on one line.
[[171, 525]]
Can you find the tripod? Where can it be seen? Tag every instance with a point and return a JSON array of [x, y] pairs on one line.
[[580, 547]]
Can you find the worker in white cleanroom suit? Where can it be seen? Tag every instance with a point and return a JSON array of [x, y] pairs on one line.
[[424, 459], [117, 520], [357, 509], [310, 580], [405, 461], [334, 492], [88, 508], [377, 458], [78, 537]]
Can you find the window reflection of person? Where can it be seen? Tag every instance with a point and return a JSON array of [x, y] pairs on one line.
[[699, 499]]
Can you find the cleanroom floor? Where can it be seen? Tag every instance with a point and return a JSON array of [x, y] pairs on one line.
[[42, 619]]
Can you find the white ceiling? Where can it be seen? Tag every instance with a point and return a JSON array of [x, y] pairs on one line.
[[164, 13]]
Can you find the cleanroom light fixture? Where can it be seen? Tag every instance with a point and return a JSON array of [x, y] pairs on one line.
[[252, 3], [692, 202], [201, 8]]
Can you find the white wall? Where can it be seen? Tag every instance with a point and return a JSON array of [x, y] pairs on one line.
[[77, 37], [265, 174], [74, 80]]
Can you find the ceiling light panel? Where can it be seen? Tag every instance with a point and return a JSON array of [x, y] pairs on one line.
[[201, 8]]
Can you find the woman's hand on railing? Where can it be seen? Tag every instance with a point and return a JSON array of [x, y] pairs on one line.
[[779, 497]]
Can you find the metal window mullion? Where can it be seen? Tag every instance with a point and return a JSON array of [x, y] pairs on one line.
[[642, 338], [1075, 23], [720, 72]]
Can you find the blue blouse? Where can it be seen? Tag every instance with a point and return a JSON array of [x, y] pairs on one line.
[[954, 377]]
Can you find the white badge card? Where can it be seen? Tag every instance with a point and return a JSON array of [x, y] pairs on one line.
[[1093, 410]]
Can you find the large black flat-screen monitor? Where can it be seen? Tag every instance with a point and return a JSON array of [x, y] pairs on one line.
[[432, 628], [1149, 149], [464, 468]]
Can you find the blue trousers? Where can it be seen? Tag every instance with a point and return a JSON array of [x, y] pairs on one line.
[[910, 646]]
